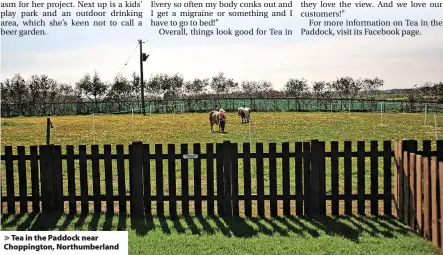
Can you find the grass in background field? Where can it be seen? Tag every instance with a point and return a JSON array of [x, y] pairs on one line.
[[194, 128]]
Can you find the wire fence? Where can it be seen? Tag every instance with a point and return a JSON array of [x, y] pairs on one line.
[[229, 104]]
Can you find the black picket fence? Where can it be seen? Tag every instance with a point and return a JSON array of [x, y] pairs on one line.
[[53, 177]]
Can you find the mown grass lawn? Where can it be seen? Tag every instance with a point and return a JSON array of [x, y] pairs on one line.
[[215, 235], [194, 128]]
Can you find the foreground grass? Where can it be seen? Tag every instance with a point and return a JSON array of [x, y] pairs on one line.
[[215, 235]]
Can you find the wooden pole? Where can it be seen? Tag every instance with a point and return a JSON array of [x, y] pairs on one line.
[[426, 113], [142, 83], [48, 130]]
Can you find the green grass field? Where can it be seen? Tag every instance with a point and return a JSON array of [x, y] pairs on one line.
[[266, 127], [215, 235], [194, 128]]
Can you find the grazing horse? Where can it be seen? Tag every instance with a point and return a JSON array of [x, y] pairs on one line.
[[218, 118], [245, 114]]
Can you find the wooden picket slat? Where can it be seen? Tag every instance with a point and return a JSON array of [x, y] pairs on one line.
[[286, 180], [361, 177], [227, 176], [159, 180], [234, 169], [435, 207], [440, 175], [427, 155], [23, 191], [307, 177], [210, 177], [298, 178], [260, 180], [401, 182], [122, 207], [108, 179], [131, 205], [412, 188], [47, 178], [322, 177], [34, 179], [406, 187], [439, 158], [315, 179], [58, 179], [387, 186], [412, 148], [220, 181], [197, 180], [374, 178], [419, 214], [426, 199], [348, 177], [136, 179], [185, 180], [334, 178], [247, 178], [9, 180], [83, 179], [147, 180], [172, 182], [71, 179], [396, 194], [96, 178], [273, 179]]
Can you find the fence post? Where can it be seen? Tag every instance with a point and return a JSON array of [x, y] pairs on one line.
[[47, 178], [136, 175], [227, 176], [48, 130]]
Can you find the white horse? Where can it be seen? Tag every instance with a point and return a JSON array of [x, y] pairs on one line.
[[245, 114]]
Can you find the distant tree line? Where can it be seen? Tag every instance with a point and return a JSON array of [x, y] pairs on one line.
[[41, 89], [426, 92]]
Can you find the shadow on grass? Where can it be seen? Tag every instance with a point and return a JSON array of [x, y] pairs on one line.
[[348, 227]]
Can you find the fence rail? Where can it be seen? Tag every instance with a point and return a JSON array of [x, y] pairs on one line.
[[230, 104]]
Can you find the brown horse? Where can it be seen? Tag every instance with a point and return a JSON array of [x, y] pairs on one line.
[[218, 118]]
